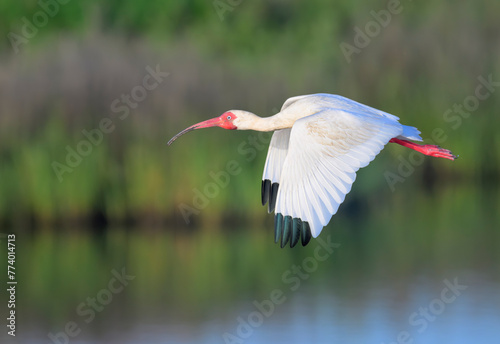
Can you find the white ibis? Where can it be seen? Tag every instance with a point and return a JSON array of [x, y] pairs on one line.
[[319, 142]]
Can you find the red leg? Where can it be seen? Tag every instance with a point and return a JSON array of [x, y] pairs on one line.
[[431, 150]]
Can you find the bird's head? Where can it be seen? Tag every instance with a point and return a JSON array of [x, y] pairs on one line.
[[233, 119]]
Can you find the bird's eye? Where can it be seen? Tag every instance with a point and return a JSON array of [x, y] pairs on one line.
[[228, 117]]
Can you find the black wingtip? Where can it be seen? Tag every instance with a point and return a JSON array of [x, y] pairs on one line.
[[269, 193], [265, 191], [291, 229], [272, 197], [278, 225], [305, 233], [296, 226], [286, 231]]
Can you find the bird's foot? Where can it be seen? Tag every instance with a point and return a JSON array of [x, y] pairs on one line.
[[431, 150], [438, 152]]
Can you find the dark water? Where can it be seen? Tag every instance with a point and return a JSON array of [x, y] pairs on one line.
[[423, 269]]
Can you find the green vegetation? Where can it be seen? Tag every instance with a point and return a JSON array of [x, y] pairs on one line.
[[65, 79]]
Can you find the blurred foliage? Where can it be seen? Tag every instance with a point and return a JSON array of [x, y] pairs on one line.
[[65, 78]]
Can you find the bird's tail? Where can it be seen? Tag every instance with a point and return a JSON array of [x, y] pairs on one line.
[[410, 133]]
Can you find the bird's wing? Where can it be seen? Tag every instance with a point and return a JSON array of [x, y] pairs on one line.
[[350, 105], [292, 100], [325, 150], [334, 101], [276, 155]]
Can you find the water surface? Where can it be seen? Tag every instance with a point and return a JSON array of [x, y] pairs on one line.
[[386, 276]]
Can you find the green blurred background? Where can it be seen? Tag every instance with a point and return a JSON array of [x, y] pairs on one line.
[[410, 222]]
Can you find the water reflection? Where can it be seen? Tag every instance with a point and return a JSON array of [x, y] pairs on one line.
[[424, 270]]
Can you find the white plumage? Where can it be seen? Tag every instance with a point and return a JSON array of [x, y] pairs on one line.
[[318, 164], [320, 142]]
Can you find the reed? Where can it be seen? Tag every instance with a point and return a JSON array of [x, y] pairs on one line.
[[62, 86]]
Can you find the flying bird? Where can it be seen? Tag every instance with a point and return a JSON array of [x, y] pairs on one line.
[[319, 142]]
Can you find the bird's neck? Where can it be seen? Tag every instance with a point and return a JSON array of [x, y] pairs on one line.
[[271, 123]]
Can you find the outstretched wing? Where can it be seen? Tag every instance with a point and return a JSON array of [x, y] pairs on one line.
[[324, 152], [278, 149]]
